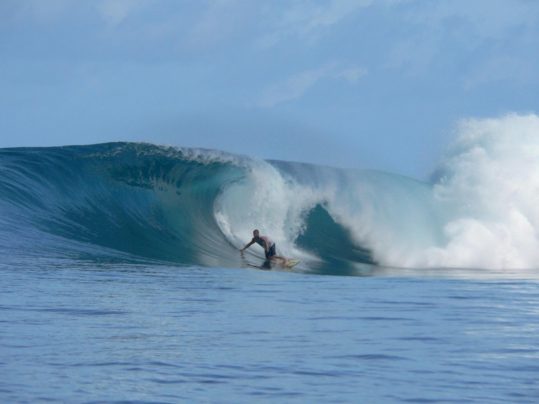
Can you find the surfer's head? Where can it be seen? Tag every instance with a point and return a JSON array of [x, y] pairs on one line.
[[256, 233]]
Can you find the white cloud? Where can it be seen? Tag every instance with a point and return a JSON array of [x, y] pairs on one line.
[[297, 85]]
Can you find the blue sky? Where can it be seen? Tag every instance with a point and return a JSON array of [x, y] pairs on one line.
[[364, 83]]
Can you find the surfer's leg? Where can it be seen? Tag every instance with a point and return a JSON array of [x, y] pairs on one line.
[[271, 255]]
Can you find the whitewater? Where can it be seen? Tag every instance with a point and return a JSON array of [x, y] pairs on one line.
[[121, 278]]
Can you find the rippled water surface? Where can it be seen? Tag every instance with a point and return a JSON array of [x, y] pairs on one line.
[[79, 332]]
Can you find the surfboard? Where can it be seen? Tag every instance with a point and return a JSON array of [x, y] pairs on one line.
[[288, 264], [291, 263]]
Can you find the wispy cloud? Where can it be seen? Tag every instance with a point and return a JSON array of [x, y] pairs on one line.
[[486, 19], [114, 12], [351, 74], [307, 19], [437, 30], [219, 21], [295, 86], [43, 11], [500, 69]]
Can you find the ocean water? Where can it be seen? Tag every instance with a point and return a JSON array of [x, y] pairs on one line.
[[74, 331], [121, 279]]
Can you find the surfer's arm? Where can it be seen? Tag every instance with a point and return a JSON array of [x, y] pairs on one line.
[[248, 245]]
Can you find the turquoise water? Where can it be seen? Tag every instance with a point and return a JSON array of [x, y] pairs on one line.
[[82, 332]]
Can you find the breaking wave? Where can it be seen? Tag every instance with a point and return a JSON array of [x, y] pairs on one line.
[[197, 207]]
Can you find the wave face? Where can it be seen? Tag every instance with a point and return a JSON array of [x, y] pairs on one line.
[[130, 201]]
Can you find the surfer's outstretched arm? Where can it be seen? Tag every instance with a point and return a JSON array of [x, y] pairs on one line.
[[247, 245]]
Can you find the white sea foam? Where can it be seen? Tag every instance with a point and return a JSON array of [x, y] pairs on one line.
[[482, 212], [491, 181]]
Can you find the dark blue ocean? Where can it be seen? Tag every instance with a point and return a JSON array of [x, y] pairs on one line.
[[121, 281]]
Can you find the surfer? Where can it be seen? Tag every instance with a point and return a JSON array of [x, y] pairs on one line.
[[267, 244]]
